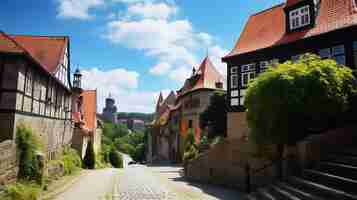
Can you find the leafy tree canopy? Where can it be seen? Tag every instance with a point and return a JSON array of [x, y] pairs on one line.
[[286, 102], [215, 116]]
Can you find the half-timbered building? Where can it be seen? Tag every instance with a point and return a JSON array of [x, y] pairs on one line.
[[35, 88], [284, 32]]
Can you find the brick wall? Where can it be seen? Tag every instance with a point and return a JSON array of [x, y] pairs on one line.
[[8, 168]]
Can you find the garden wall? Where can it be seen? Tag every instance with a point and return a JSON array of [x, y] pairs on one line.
[[225, 164]]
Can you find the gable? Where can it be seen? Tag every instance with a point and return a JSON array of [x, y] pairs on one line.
[[268, 28], [45, 50]]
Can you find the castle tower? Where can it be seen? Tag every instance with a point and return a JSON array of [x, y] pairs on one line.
[[109, 111]]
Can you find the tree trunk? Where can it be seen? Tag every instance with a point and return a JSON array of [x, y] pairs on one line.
[[280, 149]]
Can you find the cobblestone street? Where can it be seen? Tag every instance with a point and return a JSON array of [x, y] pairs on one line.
[[165, 183]]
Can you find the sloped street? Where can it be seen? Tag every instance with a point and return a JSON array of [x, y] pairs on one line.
[[165, 182]]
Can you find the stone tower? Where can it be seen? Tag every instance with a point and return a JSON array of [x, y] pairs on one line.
[[109, 111]]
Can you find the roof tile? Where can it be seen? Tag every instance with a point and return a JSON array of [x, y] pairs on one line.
[[267, 28]]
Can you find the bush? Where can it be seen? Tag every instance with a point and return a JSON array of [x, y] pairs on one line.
[[191, 151], [190, 154], [190, 140], [28, 148], [116, 159], [71, 161], [22, 191], [89, 158]]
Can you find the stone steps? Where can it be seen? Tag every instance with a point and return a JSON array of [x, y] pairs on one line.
[[334, 178]]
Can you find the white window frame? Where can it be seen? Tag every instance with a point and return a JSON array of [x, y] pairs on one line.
[[234, 76], [264, 65], [334, 52], [248, 67], [251, 76], [299, 17]]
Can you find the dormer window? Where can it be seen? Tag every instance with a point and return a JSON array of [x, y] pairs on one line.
[[299, 17]]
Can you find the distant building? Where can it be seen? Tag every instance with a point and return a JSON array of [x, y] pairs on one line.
[[87, 126], [109, 111], [180, 112], [132, 124]]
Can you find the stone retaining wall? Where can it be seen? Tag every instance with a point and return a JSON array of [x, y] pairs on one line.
[[8, 163], [225, 164]]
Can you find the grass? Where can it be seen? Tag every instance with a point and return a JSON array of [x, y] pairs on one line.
[[22, 191]]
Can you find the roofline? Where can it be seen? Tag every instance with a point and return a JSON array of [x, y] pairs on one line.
[[31, 35], [198, 89], [245, 27], [28, 55], [268, 9], [224, 59]]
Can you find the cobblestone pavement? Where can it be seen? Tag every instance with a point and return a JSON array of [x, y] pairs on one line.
[[94, 185], [165, 183]]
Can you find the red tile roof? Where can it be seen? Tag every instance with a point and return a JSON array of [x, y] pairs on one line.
[[48, 51], [205, 77], [267, 28], [89, 108]]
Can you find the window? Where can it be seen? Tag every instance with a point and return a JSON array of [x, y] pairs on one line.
[[234, 77], [337, 53], [248, 73], [249, 67], [246, 77], [190, 124], [234, 102], [29, 82], [299, 17], [264, 66]]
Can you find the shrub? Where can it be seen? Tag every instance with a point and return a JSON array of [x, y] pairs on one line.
[[191, 151], [89, 158], [190, 154], [71, 161], [190, 140], [116, 159], [28, 147], [22, 191]]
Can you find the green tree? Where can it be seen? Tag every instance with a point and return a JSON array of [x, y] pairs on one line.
[[286, 102], [215, 116], [89, 158]]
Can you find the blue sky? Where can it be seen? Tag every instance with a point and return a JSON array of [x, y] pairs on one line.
[[134, 49]]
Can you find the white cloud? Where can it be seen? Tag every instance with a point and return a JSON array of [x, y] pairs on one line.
[[123, 85], [161, 68], [77, 8], [150, 10], [153, 29]]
